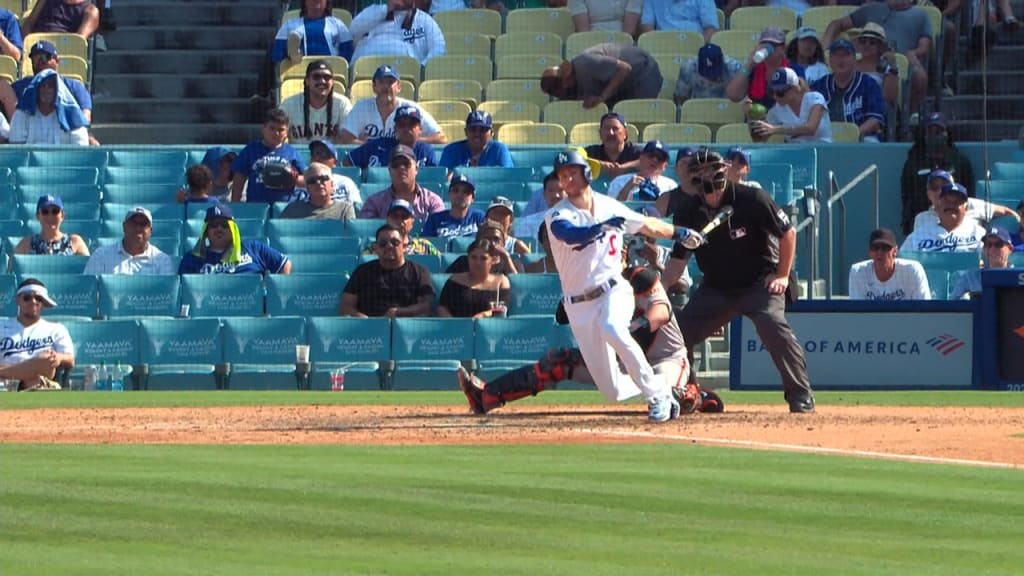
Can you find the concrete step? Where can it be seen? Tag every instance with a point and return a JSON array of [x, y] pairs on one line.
[[173, 86], [225, 14], [181, 62], [1001, 82], [175, 133], [133, 38], [186, 111], [977, 107], [978, 131], [1001, 58]]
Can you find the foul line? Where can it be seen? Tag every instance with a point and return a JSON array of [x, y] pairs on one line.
[[808, 449]]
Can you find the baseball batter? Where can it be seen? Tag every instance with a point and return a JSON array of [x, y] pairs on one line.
[[586, 242]]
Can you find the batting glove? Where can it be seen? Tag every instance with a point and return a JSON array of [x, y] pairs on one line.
[[690, 239]]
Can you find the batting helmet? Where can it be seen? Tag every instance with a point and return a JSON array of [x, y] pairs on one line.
[[578, 157]]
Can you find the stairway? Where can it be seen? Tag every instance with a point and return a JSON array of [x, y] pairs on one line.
[[183, 71]]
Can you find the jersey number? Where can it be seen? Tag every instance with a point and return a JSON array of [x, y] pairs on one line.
[[611, 245]]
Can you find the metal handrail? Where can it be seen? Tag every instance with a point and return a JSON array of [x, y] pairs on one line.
[[836, 196], [810, 222]]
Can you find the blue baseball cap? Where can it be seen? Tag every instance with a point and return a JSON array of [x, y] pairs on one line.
[[327, 144], [463, 179], [399, 204], [940, 175], [783, 79], [615, 115], [656, 148], [43, 47], [999, 233], [737, 153], [686, 152], [408, 111], [214, 156], [479, 119], [954, 188], [385, 71], [710, 61], [49, 200], [219, 211], [842, 44]]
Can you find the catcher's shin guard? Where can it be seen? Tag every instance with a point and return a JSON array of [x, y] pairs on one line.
[[555, 366]]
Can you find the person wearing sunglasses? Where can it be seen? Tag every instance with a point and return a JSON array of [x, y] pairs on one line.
[[344, 189], [221, 250], [320, 110], [850, 95], [51, 239], [885, 277], [33, 348], [389, 285], [875, 60], [319, 203], [799, 114], [44, 56], [400, 216], [996, 247]]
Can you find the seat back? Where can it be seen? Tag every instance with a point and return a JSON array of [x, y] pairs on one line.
[[139, 193], [193, 348], [678, 133], [108, 341], [56, 176], [8, 289], [430, 339], [460, 67], [31, 265], [528, 42], [75, 294], [804, 161], [712, 112], [443, 110], [758, 17], [304, 294], [534, 294], [452, 22], [469, 91], [348, 339], [263, 340], [276, 228], [408, 68], [153, 158], [222, 295], [121, 295], [587, 133], [737, 43], [533, 20], [468, 44], [323, 263], [644, 111], [523, 134], [524, 66], [845, 132], [504, 112], [526, 338], [569, 113], [670, 42], [776, 179]]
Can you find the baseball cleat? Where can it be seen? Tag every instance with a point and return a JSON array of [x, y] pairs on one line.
[[662, 409], [473, 388], [689, 397], [710, 401]]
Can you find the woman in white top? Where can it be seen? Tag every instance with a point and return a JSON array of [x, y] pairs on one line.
[[800, 114], [609, 15], [397, 28]]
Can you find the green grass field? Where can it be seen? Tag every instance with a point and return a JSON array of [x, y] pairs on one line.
[[530, 510]]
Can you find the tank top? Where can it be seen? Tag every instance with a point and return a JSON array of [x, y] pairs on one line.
[[61, 246], [61, 17]]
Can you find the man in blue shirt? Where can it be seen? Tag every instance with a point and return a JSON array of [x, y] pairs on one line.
[[478, 149], [221, 250], [270, 156], [851, 95], [10, 35], [408, 129], [44, 57], [689, 15], [460, 220]]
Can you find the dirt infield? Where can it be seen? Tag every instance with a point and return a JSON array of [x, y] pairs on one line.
[[992, 435]]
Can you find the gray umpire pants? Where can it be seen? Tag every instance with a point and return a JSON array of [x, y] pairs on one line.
[[710, 309]]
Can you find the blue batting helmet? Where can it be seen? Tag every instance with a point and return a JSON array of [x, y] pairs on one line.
[[575, 157]]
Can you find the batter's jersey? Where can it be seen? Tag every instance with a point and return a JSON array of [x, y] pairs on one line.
[[19, 343], [599, 260], [668, 343], [908, 282], [932, 237]]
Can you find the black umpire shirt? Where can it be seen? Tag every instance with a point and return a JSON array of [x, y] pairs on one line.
[[741, 251]]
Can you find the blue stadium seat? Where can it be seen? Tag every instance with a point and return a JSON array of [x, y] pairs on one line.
[[239, 210], [364, 227], [438, 280], [107, 341], [1008, 171], [114, 228], [180, 354], [9, 210], [133, 296], [30, 265], [381, 175], [534, 294], [429, 261], [140, 193], [803, 159], [513, 190], [535, 157], [358, 344], [261, 352], [487, 174], [13, 227], [68, 157], [776, 180], [222, 295], [70, 193], [939, 283], [6, 178], [170, 176], [55, 177], [88, 229], [427, 352], [248, 229], [155, 159], [449, 258], [75, 294], [353, 172], [948, 261], [73, 211], [339, 245], [1005, 192], [278, 227], [503, 344], [163, 211], [325, 263], [304, 294], [8, 288], [14, 157], [460, 244]]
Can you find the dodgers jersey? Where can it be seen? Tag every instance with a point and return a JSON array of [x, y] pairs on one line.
[[599, 260], [908, 282], [978, 210], [19, 343], [365, 117], [932, 237], [256, 258]]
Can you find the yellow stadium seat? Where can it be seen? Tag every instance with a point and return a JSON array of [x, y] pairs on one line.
[[8, 68], [671, 41], [518, 90], [476, 68], [468, 44], [644, 111], [528, 43], [579, 41], [454, 130], [524, 66], [469, 91], [819, 17], [14, 6], [557, 20], [760, 17], [343, 15], [364, 89], [338, 64], [291, 87], [67, 45], [846, 132], [290, 15], [446, 109], [737, 43], [568, 113], [735, 133], [711, 111], [678, 133], [69, 66], [588, 133], [543, 133], [408, 67], [487, 22], [504, 112], [721, 18], [669, 64]]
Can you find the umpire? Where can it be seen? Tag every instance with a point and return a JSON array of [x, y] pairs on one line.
[[746, 263]]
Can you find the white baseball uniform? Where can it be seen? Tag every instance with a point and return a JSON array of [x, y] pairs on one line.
[[365, 118], [908, 282], [601, 324], [932, 237], [19, 343]]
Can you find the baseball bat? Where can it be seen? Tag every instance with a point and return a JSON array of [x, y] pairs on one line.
[[722, 216]]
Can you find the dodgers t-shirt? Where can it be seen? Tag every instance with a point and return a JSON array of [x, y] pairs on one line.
[[251, 161], [257, 258], [375, 153], [444, 225]]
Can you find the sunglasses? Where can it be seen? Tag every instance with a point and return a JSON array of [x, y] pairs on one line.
[[993, 244], [31, 298], [393, 242], [780, 93], [50, 211], [320, 179], [321, 153], [42, 56], [218, 224], [322, 77], [880, 247]]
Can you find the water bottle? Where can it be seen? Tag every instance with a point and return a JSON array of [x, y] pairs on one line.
[[116, 378], [126, 377], [763, 53], [89, 380], [102, 378]]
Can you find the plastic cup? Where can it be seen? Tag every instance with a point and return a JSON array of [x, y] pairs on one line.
[[302, 354], [338, 379], [498, 309], [184, 310]]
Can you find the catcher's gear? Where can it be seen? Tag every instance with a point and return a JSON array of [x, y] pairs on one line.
[[692, 397], [556, 365], [642, 279], [640, 330]]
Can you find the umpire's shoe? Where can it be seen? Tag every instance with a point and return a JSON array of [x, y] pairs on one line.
[[473, 388], [803, 405]]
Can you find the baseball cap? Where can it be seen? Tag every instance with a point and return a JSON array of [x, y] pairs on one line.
[[642, 279], [214, 156], [218, 211], [399, 204], [325, 144], [872, 30], [478, 119], [408, 111], [936, 119], [43, 47], [773, 34], [657, 148], [686, 152], [710, 61], [385, 71], [615, 115], [999, 233], [49, 200], [40, 291], [954, 188], [318, 65], [842, 44], [805, 32], [463, 179], [500, 202], [940, 175], [737, 153], [783, 79], [883, 236], [401, 151], [139, 211]]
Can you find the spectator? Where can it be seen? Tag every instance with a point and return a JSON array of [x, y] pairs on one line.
[[707, 75], [738, 167], [479, 148], [319, 112], [34, 347], [320, 203], [408, 129], [403, 170], [615, 155], [492, 232], [607, 15], [978, 210], [549, 195], [43, 55], [390, 285], [50, 239], [10, 35], [873, 47], [690, 15], [953, 232], [606, 73], [1018, 236], [501, 210], [883, 276], [996, 246], [400, 216], [799, 113], [851, 96], [983, 15], [198, 185], [133, 255], [459, 220], [345, 189], [668, 203], [472, 294], [752, 84], [218, 161], [933, 149], [269, 169], [545, 265], [396, 28], [374, 117], [48, 114], [649, 182], [908, 28], [221, 250], [66, 16], [316, 32], [805, 49]]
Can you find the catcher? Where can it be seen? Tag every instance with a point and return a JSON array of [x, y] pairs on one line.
[[654, 327]]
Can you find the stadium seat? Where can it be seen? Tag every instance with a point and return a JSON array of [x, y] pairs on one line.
[[357, 344], [323, 263], [313, 244], [364, 227], [949, 261], [1008, 171], [524, 66], [380, 174], [249, 229], [759, 17], [532, 20], [261, 352], [528, 42], [30, 265], [12, 229], [8, 288], [304, 294], [534, 294], [819, 17], [678, 133], [135, 296], [66, 44], [75, 294], [439, 279], [70, 66], [55, 177], [428, 351], [712, 112], [149, 159], [66, 158], [14, 157], [454, 22], [452, 128], [240, 211], [518, 90], [115, 211], [459, 67], [339, 65], [222, 295], [76, 212], [9, 69], [166, 175], [670, 42], [293, 86], [503, 344], [278, 227], [569, 113], [804, 161], [108, 342], [643, 111], [587, 133], [737, 43], [669, 64], [488, 174], [408, 67], [525, 134], [776, 179], [468, 43], [577, 42], [180, 354], [468, 91], [733, 133], [1005, 192], [431, 262], [504, 112], [845, 132], [451, 110], [70, 194], [114, 227]]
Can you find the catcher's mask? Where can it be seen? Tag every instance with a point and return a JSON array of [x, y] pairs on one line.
[[709, 171]]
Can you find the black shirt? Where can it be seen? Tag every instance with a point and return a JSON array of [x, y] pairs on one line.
[[629, 153], [743, 250], [378, 289], [461, 264]]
